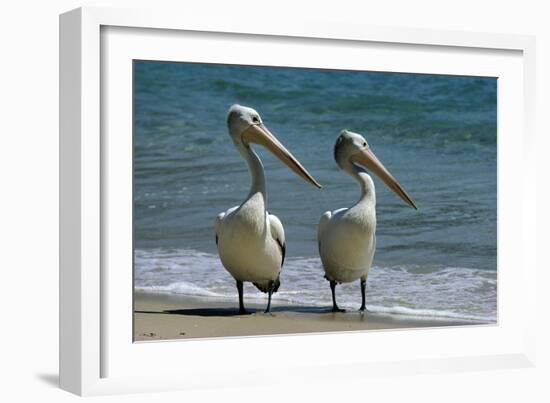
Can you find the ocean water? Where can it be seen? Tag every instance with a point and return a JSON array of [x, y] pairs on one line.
[[436, 134]]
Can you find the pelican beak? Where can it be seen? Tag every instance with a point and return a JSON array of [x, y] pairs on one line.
[[369, 160], [259, 134]]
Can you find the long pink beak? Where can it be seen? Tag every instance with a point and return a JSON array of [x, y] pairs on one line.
[[259, 134], [369, 160]]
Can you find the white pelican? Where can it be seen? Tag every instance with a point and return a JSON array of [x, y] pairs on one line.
[[346, 236], [251, 242]]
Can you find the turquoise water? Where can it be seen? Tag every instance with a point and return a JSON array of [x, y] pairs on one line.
[[436, 134]]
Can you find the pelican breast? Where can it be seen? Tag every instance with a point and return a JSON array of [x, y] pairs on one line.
[[246, 244], [347, 243]]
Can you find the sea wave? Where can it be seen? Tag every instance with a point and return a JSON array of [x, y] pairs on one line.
[[413, 291]]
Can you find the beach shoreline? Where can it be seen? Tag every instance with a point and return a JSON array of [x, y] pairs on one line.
[[163, 316]]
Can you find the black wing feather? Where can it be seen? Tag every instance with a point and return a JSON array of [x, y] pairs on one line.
[[263, 287], [283, 250]]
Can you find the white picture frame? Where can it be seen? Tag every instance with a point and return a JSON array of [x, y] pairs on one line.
[[89, 333]]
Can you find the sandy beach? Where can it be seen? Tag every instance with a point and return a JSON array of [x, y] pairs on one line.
[[166, 317]]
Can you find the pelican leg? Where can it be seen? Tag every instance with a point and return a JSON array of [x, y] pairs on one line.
[[270, 288], [241, 304], [334, 305], [363, 287]]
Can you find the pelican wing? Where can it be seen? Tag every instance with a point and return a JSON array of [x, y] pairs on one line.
[[278, 233], [218, 225], [325, 219], [219, 221], [323, 222]]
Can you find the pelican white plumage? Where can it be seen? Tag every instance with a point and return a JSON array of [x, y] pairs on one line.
[[251, 242], [346, 236]]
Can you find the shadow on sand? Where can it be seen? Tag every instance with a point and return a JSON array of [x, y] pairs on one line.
[[210, 312]]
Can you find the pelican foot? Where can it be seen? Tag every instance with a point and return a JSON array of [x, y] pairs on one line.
[[364, 310], [243, 312], [336, 309]]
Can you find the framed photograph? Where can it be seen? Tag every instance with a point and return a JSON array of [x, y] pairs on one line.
[[248, 200]]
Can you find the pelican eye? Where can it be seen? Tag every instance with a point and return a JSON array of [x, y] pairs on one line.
[[255, 119], [364, 144]]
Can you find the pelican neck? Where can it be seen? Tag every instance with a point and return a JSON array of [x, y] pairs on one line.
[[368, 193], [256, 170]]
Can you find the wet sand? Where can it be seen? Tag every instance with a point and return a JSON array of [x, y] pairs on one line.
[[166, 317]]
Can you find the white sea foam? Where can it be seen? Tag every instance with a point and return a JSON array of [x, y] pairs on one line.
[[412, 291]]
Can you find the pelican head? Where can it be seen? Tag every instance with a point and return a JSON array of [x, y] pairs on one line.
[[246, 126], [351, 149]]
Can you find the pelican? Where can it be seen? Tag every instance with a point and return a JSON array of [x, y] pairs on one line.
[[251, 242], [346, 237]]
